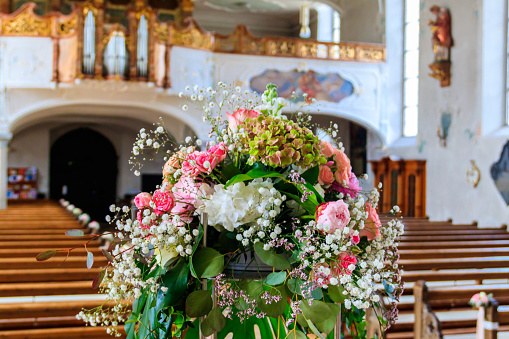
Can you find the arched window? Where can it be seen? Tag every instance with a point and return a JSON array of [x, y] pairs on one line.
[[329, 24], [89, 44], [142, 50], [411, 68]]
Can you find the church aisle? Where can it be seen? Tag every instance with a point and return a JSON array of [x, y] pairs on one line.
[[41, 299]]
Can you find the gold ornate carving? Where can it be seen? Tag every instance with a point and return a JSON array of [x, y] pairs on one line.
[[282, 48], [191, 38], [146, 11], [87, 7], [161, 32], [441, 70], [66, 27], [25, 22], [371, 54]]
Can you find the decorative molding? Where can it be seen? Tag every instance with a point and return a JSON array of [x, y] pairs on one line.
[[24, 22]]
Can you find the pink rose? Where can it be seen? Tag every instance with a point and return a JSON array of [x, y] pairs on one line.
[[325, 177], [355, 239], [238, 117], [333, 215], [187, 190], [219, 151], [344, 261], [142, 200], [353, 187], [199, 162], [372, 225], [163, 201], [327, 149], [344, 171]]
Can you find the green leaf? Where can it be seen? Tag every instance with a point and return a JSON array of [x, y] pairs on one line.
[[148, 320], [274, 309], [90, 260], [308, 205], [205, 328], [295, 334], [208, 262], [314, 329], [316, 312], [98, 279], [215, 319], [253, 174], [336, 293], [311, 175], [327, 325], [74, 233], [276, 278], [107, 255], [176, 281], [294, 285], [45, 255], [198, 303], [271, 258]]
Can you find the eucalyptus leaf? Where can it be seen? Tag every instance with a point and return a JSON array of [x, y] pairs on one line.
[[271, 258], [276, 278], [45, 255], [90, 260], [314, 329], [336, 293], [198, 303], [98, 279], [74, 233], [296, 334], [327, 325], [274, 309], [316, 312], [208, 263], [215, 319]]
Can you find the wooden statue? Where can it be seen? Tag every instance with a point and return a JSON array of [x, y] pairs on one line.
[[442, 43]]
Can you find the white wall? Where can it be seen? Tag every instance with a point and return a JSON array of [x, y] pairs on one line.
[[449, 195]]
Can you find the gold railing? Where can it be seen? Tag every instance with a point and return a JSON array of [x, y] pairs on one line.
[[162, 36]]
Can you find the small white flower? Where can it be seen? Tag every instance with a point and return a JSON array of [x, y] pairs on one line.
[[184, 107]]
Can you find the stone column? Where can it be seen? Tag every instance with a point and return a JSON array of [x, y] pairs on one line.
[[4, 141]]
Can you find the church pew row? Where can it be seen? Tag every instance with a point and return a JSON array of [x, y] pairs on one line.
[[452, 253], [33, 252], [81, 332], [434, 303], [24, 234], [453, 244]]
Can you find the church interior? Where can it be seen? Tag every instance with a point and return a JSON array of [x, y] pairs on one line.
[[418, 88]]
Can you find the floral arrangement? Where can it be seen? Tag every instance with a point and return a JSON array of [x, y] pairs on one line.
[[481, 300], [263, 225]]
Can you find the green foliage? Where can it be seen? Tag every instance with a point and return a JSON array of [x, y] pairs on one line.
[[74, 233], [98, 279], [336, 293], [276, 278], [45, 255], [271, 258], [198, 303], [253, 174], [176, 281], [295, 286], [90, 260], [207, 263]]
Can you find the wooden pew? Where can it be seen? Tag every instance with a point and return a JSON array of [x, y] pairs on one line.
[[427, 324]]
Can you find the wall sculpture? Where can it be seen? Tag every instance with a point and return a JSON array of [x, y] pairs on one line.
[[442, 43], [500, 173]]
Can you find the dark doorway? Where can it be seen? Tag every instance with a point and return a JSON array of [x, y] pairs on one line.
[[83, 170]]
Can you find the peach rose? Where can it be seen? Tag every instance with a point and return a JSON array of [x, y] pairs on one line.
[[372, 225], [173, 163], [239, 116], [325, 177], [344, 171], [142, 200], [327, 149]]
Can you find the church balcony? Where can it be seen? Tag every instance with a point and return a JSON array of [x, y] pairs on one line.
[[71, 51]]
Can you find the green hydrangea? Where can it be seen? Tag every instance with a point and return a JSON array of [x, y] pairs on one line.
[[279, 142]]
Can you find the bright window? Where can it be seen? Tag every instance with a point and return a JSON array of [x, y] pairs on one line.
[[329, 24], [411, 68]]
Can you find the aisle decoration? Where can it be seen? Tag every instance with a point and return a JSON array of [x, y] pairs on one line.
[[263, 225]]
